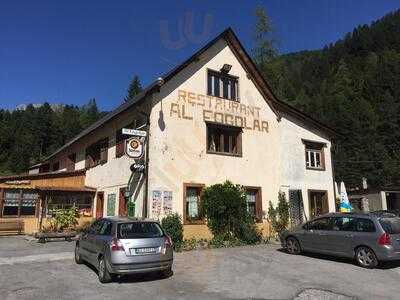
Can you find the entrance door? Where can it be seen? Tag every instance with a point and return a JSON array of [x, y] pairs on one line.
[[122, 212], [393, 201], [99, 205], [318, 203]]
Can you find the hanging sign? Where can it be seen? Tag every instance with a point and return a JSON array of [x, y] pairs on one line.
[[134, 132], [134, 148], [138, 167]]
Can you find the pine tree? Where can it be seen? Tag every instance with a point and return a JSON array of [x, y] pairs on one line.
[[134, 88], [265, 49]]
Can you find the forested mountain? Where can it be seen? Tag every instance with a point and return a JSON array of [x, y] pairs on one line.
[[29, 135], [352, 85]]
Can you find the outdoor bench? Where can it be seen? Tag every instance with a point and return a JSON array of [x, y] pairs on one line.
[[12, 226], [44, 236]]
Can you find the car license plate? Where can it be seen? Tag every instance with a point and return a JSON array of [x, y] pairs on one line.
[[144, 250]]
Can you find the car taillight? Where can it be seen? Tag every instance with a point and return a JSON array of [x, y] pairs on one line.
[[116, 245], [384, 239], [168, 241]]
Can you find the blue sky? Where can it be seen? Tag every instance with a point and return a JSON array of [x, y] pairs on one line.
[[71, 51]]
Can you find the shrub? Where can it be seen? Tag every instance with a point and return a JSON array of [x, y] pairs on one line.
[[225, 207], [279, 217], [172, 224], [221, 241], [63, 219]]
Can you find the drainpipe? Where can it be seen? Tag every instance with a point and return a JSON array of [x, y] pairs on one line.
[[333, 179], [146, 173], [146, 170], [160, 82]]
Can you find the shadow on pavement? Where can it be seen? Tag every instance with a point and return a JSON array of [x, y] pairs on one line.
[[383, 265], [132, 278]]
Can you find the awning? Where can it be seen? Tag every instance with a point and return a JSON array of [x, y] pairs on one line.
[[84, 189]]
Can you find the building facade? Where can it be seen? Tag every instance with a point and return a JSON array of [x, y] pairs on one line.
[[211, 119]]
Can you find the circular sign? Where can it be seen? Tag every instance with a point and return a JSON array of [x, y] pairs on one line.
[[134, 148]]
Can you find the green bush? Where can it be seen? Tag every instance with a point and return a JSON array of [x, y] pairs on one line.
[[64, 219], [172, 224], [279, 217], [225, 207], [221, 241]]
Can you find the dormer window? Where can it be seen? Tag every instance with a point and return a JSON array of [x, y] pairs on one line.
[[222, 85]]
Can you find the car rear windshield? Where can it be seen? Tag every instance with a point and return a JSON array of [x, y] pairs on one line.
[[137, 230], [390, 225]]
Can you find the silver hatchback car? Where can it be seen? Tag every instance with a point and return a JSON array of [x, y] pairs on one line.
[[369, 238], [117, 246]]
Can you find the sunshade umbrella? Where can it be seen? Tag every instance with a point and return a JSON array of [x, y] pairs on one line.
[[337, 195], [344, 200]]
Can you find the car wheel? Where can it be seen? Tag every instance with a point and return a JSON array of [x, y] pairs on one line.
[[166, 273], [293, 245], [78, 258], [366, 257], [104, 275]]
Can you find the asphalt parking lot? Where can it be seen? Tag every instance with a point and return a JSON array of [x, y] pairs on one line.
[[29, 270]]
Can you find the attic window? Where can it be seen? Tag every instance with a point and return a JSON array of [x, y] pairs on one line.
[[222, 85]]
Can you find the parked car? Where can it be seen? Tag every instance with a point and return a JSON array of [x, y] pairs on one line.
[[382, 213], [125, 246], [367, 238]]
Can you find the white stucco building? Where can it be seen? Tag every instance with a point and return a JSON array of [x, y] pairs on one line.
[[211, 119]]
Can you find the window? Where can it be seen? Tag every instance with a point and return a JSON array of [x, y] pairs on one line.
[[121, 138], [83, 202], [96, 154], [353, 224], [390, 225], [137, 230], [70, 163], [56, 166], [318, 202], [192, 198], [28, 204], [96, 227], [111, 205], [105, 228], [45, 168], [222, 85], [254, 202], [319, 224], [365, 225], [315, 158], [224, 139], [19, 203]]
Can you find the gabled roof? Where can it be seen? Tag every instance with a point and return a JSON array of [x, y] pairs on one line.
[[247, 63]]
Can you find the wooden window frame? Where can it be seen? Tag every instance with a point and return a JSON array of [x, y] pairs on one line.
[[55, 166], [122, 203], [226, 76], [259, 206], [309, 191], [1, 202], [102, 146], [315, 147], [20, 198], [120, 139], [71, 161], [99, 198], [200, 186], [44, 168], [227, 128]]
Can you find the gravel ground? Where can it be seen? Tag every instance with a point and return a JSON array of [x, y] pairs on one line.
[[35, 271]]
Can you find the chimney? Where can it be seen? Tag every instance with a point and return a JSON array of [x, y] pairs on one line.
[[364, 183]]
